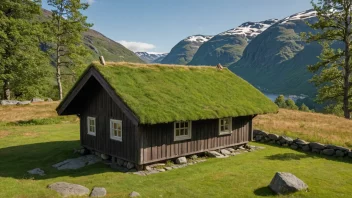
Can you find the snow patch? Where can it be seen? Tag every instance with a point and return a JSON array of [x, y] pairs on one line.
[[198, 38], [300, 16]]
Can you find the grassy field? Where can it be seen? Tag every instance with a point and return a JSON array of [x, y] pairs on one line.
[[28, 146], [318, 127]]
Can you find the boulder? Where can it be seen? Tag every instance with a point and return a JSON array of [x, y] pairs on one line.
[[285, 183], [134, 194], [316, 151], [148, 168], [294, 146], [338, 148], [161, 170], [215, 154], [66, 189], [225, 152], [230, 149], [317, 145], [259, 132], [130, 165], [329, 152], [36, 171], [193, 157], [339, 153], [273, 136], [300, 142], [37, 100], [257, 138], [350, 154], [119, 162], [8, 102], [306, 148], [181, 160], [104, 156], [98, 192], [285, 139], [76, 163], [168, 168], [23, 102]]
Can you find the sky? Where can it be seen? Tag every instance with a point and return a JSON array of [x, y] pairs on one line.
[[158, 25]]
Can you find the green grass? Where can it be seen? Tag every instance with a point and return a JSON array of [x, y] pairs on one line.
[[160, 94], [247, 175]]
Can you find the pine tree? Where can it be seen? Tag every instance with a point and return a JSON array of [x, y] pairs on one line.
[[280, 101], [334, 71], [67, 25], [23, 65]]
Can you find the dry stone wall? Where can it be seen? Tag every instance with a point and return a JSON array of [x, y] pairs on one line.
[[299, 144]]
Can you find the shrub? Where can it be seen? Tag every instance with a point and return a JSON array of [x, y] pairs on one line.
[[280, 101], [290, 104], [304, 107]]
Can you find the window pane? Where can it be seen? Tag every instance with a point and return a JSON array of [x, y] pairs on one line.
[[186, 131], [182, 124], [114, 125], [226, 128], [115, 132], [177, 132], [182, 132], [221, 122], [119, 133], [177, 125], [119, 127], [186, 124], [222, 128]]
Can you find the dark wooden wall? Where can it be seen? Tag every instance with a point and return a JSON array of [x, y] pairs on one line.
[[158, 140], [98, 104]]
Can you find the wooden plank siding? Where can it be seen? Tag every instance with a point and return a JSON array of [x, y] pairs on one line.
[[100, 105], [157, 140]]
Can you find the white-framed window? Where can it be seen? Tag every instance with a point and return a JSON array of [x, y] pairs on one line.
[[225, 126], [116, 129], [91, 125], [182, 130]]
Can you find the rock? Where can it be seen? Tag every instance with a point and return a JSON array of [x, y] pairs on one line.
[[285, 145], [161, 170], [76, 163], [168, 168], [36, 171], [157, 164], [23, 102], [130, 165], [339, 153], [125, 164], [152, 172], [278, 143], [104, 156], [193, 157], [257, 138], [148, 168], [259, 132], [317, 145], [215, 154], [119, 162], [294, 146], [316, 150], [285, 183], [225, 152], [285, 139], [37, 100], [329, 152], [98, 192], [48, 100], [134, 194], [305, 148], [8, 102], [338, 148], [84, 151], [273, 136], [300, 142], [66, 189], [231, 149], [181, 160], [350, 154]]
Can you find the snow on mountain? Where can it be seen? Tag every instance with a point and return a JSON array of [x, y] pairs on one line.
[[300, 16], [198, 38], [151, 57], [250, 29]]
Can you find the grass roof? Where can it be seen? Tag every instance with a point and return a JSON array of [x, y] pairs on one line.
[[166, 93]]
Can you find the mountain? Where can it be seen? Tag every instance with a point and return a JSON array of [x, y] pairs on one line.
[[227, 47], [151, 57], [101, 45], [276, 60], [183, 52]]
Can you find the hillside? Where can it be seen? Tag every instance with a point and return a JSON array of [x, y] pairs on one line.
[[151, 57], [100, 45], [183, 52], [227, 47], [276, 61]]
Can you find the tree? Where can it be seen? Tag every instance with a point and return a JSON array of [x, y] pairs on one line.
[[23, 65], [280, 101], [304, 107], [290, 104], [333, 71], [67, 25]]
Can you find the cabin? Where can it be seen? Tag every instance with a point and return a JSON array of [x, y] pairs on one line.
[[145, 113]]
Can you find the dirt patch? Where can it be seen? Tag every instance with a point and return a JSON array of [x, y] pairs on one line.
[[4, 134], [30, 134]]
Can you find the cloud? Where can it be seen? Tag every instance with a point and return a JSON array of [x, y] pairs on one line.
[[137, 46]]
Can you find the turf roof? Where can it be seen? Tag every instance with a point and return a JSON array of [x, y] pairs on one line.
[[167, 93]]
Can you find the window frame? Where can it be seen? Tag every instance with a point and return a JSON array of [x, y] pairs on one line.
[[183, 137], [230, 126], [112, 136], [89, 132]]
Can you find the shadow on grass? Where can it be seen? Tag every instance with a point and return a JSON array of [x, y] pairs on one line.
[[15, 161], [287, 156], [264, 192]]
